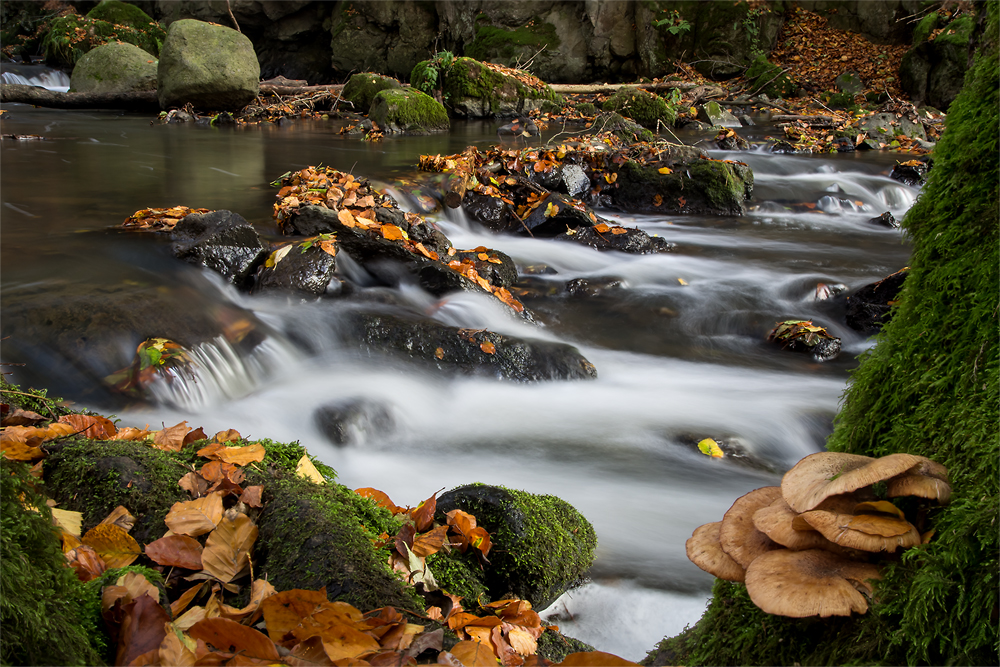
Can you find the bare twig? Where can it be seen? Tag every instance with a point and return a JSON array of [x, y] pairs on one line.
[[230, 10]]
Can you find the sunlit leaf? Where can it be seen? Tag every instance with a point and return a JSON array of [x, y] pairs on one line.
[[95, 427], [551, 210], [474, 654], [710, 447], [430, 542], [380, 498], [174, 650], [594, 659], [423, 514], [240, 455], [307, 470], [393, 233], [121, 517], [665, 170]]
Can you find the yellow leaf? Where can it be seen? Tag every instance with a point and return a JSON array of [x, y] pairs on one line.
[[227, 549], [611, 178], [682, 281], [70, 522], [393, 233], [277, 256], [241, 455], [306, 469], [665, 170], [710, 447], [551, 210], [113, 544]]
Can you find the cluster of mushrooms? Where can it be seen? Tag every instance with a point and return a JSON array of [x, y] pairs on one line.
[[806, 548]]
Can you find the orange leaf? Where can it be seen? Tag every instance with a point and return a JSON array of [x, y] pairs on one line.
[[681, 201], [423, 514], [483, 256], [430, 542], [195, 517], [113, 544], [594, 659], [230, 636], [227, 549], [18, 451], [238, 455], [120, 517], [195, 436], [194, 484], [346, 218], [181, 603], [176, 551], [172, 651], [285, 611], [229, 435], [487, 347], [392, 232], [474, 654], [602, 228], [343, 642], [171, 439], [91, 426], [439, 353], [657, 200], [85, 561], [252, 496], [380, 498], [619, 230]]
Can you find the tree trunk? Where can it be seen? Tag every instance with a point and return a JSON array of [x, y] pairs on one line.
[[144, 101]]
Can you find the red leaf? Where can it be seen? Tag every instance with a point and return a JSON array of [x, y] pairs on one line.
[[142, 629]]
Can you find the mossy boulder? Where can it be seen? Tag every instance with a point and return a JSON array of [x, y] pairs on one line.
[[625, 129], [114, 68], [48, 616], [210, 66], [475, 91], [933, 71], [930, 386], [542, 546], [703, 186], [494, 41], [71, 36], [643, 107], [408, 111], [765, 77], [361, 89]]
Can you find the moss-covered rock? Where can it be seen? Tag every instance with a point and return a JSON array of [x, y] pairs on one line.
[[475, 91], [645, 108], [764, 77], [703, 186], [627, 130], [72, 35], [48, 616], [501, 44], [114, 68], [930, 386], [542, 546], [933, 71], [361, 89], [408, 111]]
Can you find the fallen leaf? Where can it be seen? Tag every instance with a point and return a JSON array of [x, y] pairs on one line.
[[602, 228], [306, 469], [174, 651], [551, 210], [171, 439], [346, 217], [665, 170], [252, 496], [474, 654], [142, 629], [380, 498], [710, 447], [176, 551], [120, 517], [85, 561], [230, 636], [227, 549], [182, 602], [91, 426], [392, 232], [195, 517], [194, 484], [439, 353], [71, 522], [487, 347], [423, 514], [619, 230], [19, 417], [240, 455], [113, 544]]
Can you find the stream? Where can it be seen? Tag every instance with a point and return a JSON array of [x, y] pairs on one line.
[[679, 345]]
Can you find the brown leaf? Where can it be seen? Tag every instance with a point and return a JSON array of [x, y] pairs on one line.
[[194, 436], [430, 542], [230, 435], [380, 499], [227, 549], [85, 561], [239, 455], [474, 654], [346, 217], [309, 653], [113, 544], [232, 637], [129, 433], [260, 590], [284, 611], [120, 517], [252, 496], [18, 451], [19, 417], [176, 551], [194, 484], [181, 603], [171, 439], [195, 517], [142, 629], [423, 514], [91, 426], [173, 651], [594, 659]]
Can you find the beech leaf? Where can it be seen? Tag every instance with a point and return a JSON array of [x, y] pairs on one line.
[[306, 469], [227, 549], [171, 439], [142, 629], [195, 517], [230, 636], [113, 544], [176, 551], [91, 426]]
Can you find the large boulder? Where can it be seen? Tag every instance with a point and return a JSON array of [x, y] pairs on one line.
[[703, 186], [114, 68], [474, 90], [933, 71], [408, 111], [542, 546], [221, 241], [210, 66], [361, 89], [643, 107]]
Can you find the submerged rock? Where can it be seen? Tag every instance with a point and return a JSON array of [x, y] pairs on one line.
[[351, 420], [887, 219], [911, 172], [632, 240], [868, 309], [804, 336], [542, 546]]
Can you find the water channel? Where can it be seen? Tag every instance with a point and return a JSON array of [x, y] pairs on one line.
[[679, 346]]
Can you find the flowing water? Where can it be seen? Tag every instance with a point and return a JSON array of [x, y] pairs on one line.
[[678, 345]]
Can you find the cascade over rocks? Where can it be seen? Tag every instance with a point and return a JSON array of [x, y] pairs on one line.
[[210, 66]]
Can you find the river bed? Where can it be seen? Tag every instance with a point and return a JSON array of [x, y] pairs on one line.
[[679, 347]]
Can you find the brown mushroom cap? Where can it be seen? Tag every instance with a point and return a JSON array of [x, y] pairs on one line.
[[704, 550], [809, 583], [928, 479], [775, 521], [819, 476], [738, 536], [867, 532]]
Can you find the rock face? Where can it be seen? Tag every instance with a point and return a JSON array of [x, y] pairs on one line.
[[933, 72], [221, 241], [114, 68], [408, 111], [475, 91], [210, 66], [362, 89], [542, 546]]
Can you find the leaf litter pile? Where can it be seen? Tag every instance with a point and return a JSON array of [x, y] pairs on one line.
[[206, 552]]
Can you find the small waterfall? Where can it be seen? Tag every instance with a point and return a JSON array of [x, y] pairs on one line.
[[36, 75]]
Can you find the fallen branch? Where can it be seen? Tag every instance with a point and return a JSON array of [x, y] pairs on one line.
[[587, 88], [13, 92]]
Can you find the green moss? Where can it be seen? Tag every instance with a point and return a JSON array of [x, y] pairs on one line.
[[925, 28], [492, 43], [70, 36], [459, 574], [362, 89], [48, 616], [121, 13], [467, 78], [34, 400], [930, 386], [310, 537], [554, 646], [641, 106], [957, 32], [408, 110], [94, 477], [586, 108], [764, 77]]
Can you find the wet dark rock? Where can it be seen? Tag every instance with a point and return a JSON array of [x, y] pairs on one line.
[[591, 287], [574, 180], [868, 309], [492, 212], [714, 115], [804, 336], [518, 128], [542, 546], [464, 351], [782, 147], [746, 121], [352, 420], [634, 241], [843, 145], [305, 270], [501, 271], [567, 216], [885, 220], [221, 241], [910, 174], [730, 141]]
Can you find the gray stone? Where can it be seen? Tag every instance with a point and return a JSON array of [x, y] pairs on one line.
[[716, 116], [850, 83], [210, 66], [114, 68]]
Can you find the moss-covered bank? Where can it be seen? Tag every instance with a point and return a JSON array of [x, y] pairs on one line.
[[931, 386]]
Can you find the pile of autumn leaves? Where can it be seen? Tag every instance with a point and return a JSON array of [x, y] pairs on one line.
[[211, 537]]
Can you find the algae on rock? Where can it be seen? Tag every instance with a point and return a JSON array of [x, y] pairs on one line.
[[408, 111], [361, 89], [930, 386]]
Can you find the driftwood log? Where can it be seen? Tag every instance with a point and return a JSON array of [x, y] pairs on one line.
[[13, 92]]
